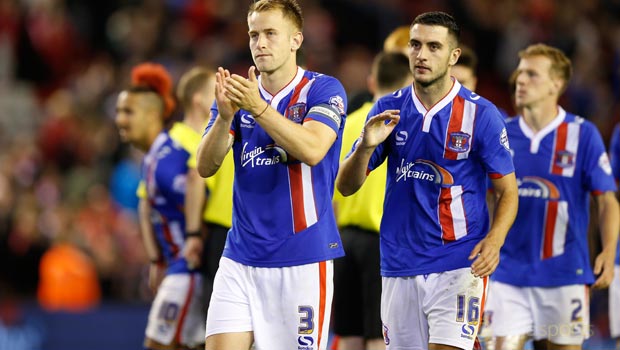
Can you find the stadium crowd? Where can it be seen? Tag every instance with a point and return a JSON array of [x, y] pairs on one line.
[[65, 178]]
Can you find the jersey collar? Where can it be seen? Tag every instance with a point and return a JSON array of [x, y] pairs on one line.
[[430, 113], [274, 100], [536, 138]]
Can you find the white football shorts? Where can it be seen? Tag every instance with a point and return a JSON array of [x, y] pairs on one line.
[[178, 313], [285, 307], [439, 308], [614, 304], [558, 314]]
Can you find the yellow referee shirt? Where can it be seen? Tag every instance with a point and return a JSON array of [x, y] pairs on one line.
[[364, 208]]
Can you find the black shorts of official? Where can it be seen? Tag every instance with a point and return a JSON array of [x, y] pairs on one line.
[[212, 252], [357, 285]]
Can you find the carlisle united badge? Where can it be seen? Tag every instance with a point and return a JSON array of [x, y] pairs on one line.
[[296, 112], [564, 159], [459, 142]]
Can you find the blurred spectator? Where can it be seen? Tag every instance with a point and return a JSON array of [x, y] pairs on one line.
[[68, 280]]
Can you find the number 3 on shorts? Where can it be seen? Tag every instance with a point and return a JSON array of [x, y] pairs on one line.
[[306, 323], [471, 309]]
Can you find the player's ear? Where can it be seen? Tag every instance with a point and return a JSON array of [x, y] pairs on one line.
[[296, 39], [557, 85], [371, 82], [454, 56]]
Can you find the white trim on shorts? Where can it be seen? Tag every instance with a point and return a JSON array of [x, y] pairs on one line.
[[285, 307], [439, 308], [558, 314], [178, 314]]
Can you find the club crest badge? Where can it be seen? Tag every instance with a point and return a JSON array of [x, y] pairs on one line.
[[296, 112], [564, 159], [459, 142]]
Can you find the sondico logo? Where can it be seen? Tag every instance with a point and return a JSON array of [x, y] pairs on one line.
[[247, 121], [260, 156], [401, 137], [423, 170], [305, 342]]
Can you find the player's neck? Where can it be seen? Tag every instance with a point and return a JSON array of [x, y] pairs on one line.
[[430, 94], [274, 81], [539, 116], [145, 144], [195, 120]]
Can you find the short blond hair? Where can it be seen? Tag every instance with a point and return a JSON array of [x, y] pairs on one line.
[[191, 82], [561, 66], [290, 9]]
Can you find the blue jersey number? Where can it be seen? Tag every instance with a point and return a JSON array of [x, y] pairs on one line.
[[471, 309], [169, 311], [306, 323]]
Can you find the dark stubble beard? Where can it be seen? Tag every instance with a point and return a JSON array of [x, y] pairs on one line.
[[425, 84]]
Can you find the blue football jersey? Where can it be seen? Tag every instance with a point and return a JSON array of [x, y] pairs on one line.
[[282, 208], [438, 162], [557, 168], [164, 174], [614, 155]]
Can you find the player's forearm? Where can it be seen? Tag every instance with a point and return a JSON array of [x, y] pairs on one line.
[[194, 201], [307, 143], [608, 217], [506, 206], [213, 148], [352, 173], [146, 230]]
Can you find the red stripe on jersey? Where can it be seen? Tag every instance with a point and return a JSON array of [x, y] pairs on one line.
[[295, 95], [454, 125], [295, 176], [322, 298], [552, 213], [188, 298], [560, 145], [445, 215], [297, 197], [168, 236]]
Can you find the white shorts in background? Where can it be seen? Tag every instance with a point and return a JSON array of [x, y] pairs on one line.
[[178, 312], [614, 304], [559, 314], [440, 308], [286, 307]]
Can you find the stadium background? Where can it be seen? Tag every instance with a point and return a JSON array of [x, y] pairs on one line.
[[65, 178]]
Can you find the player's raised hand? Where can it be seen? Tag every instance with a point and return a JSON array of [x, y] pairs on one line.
[[244, 92], [379, 127], [225, 106]]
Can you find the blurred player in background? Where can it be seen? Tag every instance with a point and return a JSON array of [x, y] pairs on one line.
[[614, 287], [357, 276], [274, 286], [465, 68], [540, 288], [397, 40], [196, 93], [170, 218], [441, 142]]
